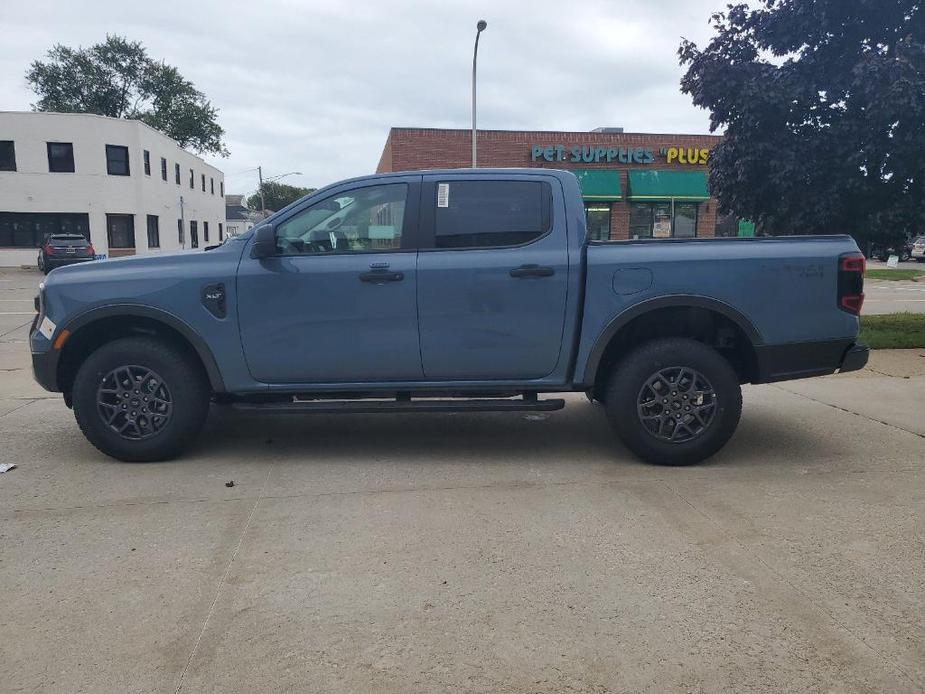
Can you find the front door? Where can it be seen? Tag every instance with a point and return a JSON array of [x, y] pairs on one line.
[[338, 302], [492, 286]]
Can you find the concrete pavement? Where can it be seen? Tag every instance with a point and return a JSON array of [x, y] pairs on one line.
[[493, 552]]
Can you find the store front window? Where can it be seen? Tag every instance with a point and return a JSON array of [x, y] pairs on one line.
[[29, 229], [597, 215], [662, 220]]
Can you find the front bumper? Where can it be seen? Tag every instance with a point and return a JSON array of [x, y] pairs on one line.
[[44, 356], [45, 369]]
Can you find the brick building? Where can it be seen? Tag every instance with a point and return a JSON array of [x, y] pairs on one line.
[[635, 185]]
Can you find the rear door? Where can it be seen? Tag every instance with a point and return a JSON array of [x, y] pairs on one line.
[[492, 276]]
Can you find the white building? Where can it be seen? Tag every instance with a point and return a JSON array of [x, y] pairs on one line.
[[130, 188]]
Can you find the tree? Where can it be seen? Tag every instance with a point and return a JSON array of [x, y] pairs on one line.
[[117, 78], [277, 195], [823, 104]]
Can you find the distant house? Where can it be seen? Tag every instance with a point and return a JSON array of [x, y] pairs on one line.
[[237, 216]]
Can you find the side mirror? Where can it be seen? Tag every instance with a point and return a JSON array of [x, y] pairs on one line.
[[264, 242]]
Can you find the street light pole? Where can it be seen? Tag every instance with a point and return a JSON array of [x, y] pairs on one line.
[[480, 27], [263, 202]]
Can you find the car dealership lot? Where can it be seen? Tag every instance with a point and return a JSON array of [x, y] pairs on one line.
[[477, 552]]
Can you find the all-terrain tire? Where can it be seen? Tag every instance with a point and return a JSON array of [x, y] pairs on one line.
[[630, 404], [178, 385]]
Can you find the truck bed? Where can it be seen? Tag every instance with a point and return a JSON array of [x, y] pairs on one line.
[[782, 290]]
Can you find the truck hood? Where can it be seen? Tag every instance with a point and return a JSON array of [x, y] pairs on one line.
[[134, 277]]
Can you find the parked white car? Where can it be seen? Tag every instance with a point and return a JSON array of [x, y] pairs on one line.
[[918, 249]]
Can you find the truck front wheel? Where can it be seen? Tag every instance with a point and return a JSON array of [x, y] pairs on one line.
[[139, 399], [674, 401]]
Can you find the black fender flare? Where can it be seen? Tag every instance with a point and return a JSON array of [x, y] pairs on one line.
[[182, 327], [672, 301]]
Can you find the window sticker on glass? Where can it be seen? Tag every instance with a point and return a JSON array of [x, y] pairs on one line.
[[443, 195]]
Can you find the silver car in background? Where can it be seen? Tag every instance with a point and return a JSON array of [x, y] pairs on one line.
[[918, 249]]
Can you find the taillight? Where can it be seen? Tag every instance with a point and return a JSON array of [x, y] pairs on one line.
[[853, 262], [90, 251], [48, 249], [851, 282]]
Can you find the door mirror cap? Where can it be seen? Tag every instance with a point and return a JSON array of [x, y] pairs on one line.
[[264, 242]]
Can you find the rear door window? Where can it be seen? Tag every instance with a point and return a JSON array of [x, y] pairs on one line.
[[490, 214]]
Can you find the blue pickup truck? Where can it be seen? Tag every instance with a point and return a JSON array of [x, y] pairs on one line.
[[439, 291]]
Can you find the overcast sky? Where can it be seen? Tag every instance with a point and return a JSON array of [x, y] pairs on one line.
[[315, 85]]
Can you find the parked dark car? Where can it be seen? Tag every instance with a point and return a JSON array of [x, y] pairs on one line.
[[64, 249]]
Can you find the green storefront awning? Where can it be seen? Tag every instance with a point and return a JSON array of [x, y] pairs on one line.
[[667, 185], [599, 184]]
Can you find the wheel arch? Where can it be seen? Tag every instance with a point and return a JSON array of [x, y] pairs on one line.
[[95, 327], [703, 318]]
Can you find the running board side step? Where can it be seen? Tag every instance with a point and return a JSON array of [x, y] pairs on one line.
[[373, 406]]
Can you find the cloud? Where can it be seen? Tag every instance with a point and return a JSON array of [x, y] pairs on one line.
[[314, 86]]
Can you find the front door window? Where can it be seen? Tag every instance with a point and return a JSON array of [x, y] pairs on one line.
[[363, 220]]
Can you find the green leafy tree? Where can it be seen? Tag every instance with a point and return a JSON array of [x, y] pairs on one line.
[[277, 195], [117, 78], [823, 105]]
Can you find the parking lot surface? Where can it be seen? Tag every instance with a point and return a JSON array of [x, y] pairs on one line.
[[493, 552]]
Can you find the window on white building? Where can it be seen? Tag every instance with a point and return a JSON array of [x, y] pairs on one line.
[[120, 230], [117, 161], [7, 155], [60, 157], [154, 232]]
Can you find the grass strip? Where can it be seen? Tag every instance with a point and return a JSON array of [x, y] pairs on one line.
[[894, 331]]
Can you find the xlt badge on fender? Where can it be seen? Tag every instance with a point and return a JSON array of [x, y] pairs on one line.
[[213, 298]]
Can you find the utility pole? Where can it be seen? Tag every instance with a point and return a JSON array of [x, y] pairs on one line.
[[480, 27], [263, 204], [182, 225]]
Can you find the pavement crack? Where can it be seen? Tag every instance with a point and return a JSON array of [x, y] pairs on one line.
[[16, 328], [222, 581], [19, 407], [811, 600], [845, 409]]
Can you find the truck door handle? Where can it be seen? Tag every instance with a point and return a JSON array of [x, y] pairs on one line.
[[381, 276], [532, 271]]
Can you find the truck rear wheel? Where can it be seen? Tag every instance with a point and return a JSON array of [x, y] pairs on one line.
[[138, 399], [674, 401]]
